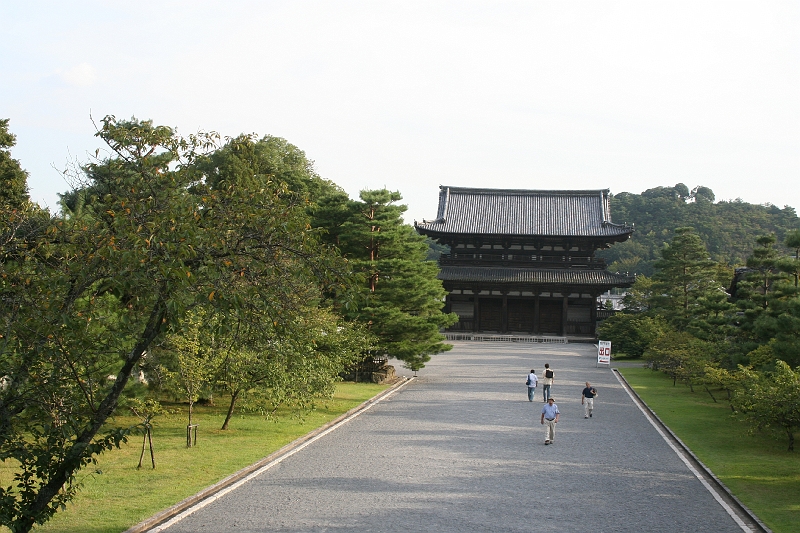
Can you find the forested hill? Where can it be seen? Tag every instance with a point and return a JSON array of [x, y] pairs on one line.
[[729, 229]]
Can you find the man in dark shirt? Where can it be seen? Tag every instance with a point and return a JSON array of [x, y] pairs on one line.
[[587, 400]]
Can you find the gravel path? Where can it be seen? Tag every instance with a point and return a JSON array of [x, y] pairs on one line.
[[461, 449]]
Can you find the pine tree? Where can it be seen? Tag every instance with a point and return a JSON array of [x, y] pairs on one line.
[[13, 180], [792, 265], [763, 262], [770, 300], [402, 298], [685, 290]]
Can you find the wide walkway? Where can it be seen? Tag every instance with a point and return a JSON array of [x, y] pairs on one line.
[[461, 449]]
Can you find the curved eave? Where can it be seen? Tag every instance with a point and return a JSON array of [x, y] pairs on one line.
[[621, 233]]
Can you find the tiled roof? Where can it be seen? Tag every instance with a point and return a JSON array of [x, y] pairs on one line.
[[516, 212], [534, 276]]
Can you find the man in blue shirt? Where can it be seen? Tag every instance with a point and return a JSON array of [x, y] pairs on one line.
[[549, 420]]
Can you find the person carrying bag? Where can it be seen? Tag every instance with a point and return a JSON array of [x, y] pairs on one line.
[[531, 382], [547, 381]]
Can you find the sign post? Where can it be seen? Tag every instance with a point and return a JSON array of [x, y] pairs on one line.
[[603, 353]]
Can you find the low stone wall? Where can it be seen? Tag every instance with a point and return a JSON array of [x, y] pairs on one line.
[[382, 375]]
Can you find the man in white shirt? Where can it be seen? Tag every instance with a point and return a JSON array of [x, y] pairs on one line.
[[531, 382]]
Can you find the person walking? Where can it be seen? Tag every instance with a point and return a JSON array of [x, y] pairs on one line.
[[587, 400], [531, 382], [548, 379], [549, 420]]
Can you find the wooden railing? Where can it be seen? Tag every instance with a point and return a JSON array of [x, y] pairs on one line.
[[462, 325], [519, 260], [602, 314]]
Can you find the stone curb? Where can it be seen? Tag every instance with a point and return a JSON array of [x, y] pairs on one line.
[[208, 492], [720, 485]]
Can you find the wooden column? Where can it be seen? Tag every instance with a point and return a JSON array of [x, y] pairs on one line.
[[536, 321], [504, 315], [476, 313], [593, 315], [564, 308]]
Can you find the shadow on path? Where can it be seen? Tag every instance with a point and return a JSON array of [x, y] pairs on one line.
[[461, 449]]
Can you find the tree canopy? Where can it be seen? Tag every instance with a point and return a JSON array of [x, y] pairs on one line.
[[13, 180], [746, 343], [87, 293], [401, 299], [728, 228], [686, 289]]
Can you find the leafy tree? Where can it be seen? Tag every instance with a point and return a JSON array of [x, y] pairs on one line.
[[268, 363], [772, 400], [146, 410], [728, 228], [763, 357], [435, 250], [681, 356], [13, 180], [631, 256], [702, 194], [637, 298], [631, 334], [293, 365], [87, 293], [682, 191], [195, 361], [401, 300], [268, 161], [721, 378]]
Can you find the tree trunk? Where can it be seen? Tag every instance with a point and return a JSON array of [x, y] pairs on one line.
[[152, 452], [712, 396], [141, 455], [189, 427], [234, 397], [71, 462]]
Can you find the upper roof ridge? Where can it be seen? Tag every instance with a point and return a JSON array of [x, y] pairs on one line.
[[525, 192]]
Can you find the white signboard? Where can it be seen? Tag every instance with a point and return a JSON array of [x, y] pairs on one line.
[[604, 352]]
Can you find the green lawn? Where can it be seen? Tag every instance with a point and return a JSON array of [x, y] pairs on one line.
[[115, 495], [757, 469]]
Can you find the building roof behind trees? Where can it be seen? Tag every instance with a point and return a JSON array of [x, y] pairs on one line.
[[519, 212]]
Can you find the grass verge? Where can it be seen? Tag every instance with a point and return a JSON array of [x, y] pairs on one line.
[[115, 495], [758, 469]]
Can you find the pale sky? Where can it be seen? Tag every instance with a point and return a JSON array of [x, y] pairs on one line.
[[410, 95]]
